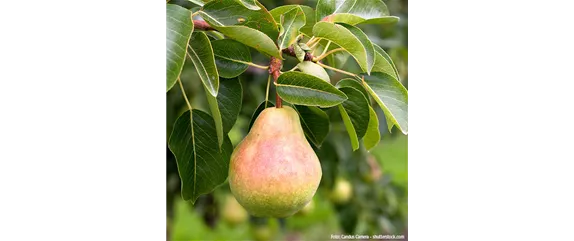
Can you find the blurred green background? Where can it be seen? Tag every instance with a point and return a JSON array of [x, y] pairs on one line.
[[375, 203]]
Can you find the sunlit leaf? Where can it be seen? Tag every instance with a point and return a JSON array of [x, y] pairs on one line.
[[391, 96], [307, 29], [291, 21], [201, 54], [373, 135], [179, 28], [231, 57], [304, 89]]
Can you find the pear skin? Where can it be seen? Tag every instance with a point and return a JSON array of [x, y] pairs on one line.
[[274, 172]]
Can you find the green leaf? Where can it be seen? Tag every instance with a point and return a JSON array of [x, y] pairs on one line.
[[299, 52], [201, 54], [354, 11], [252, 38], [230, 13], [350, 38], [352, 83], [304, 46], [179, 28], [226, 106], [291, 21], [356, 111], [314, 69], [200, 2], [250, 4], [231, 57], [201, 165], [350, 128], [352, 19], [391, 96], [261, 107], [315, 123], [373, 135], [214, 35], [384, 63], [307, 29], [304, 89]]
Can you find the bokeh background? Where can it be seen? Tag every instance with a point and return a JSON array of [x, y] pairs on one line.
[[360, 193]]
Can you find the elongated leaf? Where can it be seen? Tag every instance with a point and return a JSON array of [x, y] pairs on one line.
[[352, 19], [315, 123], [201, 54], [291, 21], [352, 83], [252, 38], [373, 135], [354, 11], [304, 46], [304, 89], [350, 38], [357, 109], [200, 2], [299, 52], [250, 4], [226, 106], [384, 63], [314, 69], [261, 107], [234, 13], [307, 29], [350, 128], [201, 165], [392, 96], [231, 57], [179, 28]]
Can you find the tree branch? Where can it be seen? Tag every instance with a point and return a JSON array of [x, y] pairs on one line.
[[290, 51], [202, 25], [275, 70]]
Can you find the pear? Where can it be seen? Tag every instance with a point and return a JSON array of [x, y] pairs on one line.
[[232, 212], [308, 208], [274, 172], [314, 69], [342, 191]]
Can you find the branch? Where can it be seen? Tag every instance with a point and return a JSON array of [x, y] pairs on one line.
[[275, 70], [290, 51], [202, 25]]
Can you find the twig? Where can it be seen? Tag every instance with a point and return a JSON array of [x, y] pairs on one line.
[[337, 70], [290, 51], [202, 25], [275, 70], [322, 56]]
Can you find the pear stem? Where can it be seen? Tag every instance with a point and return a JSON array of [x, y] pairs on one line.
[[275, 70]]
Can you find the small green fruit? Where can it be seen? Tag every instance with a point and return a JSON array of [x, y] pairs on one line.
[[314, 69], [233, 213], [342, 191], [308, 208], [262, 233]]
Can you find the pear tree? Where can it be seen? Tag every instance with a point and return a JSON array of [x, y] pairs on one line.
[[277, 167]]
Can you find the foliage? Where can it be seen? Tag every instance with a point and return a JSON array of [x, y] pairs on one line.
[[321, 61]]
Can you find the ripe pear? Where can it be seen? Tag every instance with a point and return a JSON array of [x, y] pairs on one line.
[[274, 172]]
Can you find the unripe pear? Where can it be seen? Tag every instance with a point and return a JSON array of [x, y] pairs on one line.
[[274, 172], [308, 208], [233, 213], [342, 191], [262, 233], [314, 69]]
